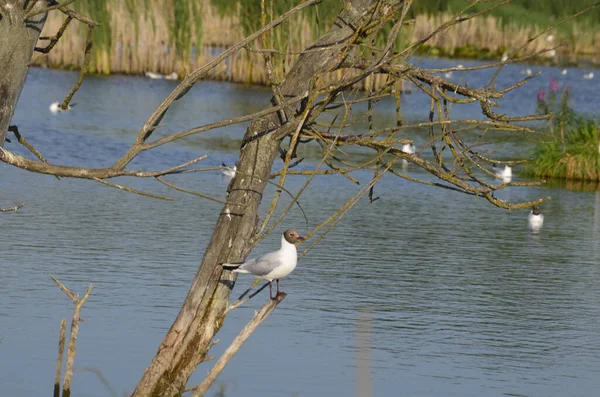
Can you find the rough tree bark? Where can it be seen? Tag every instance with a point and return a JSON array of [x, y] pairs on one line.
[[187, 342], [17, 41]]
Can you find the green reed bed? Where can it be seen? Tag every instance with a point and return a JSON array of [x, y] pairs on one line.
[[573, 152]]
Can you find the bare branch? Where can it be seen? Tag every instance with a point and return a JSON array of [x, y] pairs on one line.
[[132, 190], [206, 196], [12, 209], [237, 343], [32, 13], [59, 359], [84, 173], [72, 350]]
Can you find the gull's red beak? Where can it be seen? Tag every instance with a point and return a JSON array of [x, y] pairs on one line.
[[301, 238]]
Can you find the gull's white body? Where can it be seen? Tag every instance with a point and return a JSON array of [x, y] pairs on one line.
[[229, 172], [158, 76], [154, 76], [588, 76], [274, 265], [55, 108], [535, 221], [505, 174], [408, 148], [527, 71], [564, 72]]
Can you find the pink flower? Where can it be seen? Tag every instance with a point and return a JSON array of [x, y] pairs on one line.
[[541, 95], [553, 85]]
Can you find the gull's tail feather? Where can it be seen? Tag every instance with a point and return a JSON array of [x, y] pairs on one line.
[[231, 266]]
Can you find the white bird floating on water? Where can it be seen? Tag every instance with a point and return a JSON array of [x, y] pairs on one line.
[[229, 172], [55, 107], [158, 76], [408, 148], [536, 219], [527, 71], [274, 265], [448, 74], [460, 66], [588, 76], [505, 174], [504, 57], [564, 72]]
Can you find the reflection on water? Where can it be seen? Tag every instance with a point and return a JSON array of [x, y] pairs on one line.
[[462, 299]]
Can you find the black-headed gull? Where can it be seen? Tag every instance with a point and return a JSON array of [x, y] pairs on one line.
[[274, 265], [505, 174], [229, 172], [536, 219], [408, 148], [55, 107], [158, 76]]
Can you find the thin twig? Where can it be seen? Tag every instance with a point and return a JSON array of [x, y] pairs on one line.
[[206, 196], [132, 190], [44, 10]]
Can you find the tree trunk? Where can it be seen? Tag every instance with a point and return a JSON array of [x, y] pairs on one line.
[[17, 41], [187, 342]]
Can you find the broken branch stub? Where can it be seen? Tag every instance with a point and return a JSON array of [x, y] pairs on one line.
[[72, 347]]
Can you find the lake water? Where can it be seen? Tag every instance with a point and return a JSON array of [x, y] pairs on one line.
[[460, 298]]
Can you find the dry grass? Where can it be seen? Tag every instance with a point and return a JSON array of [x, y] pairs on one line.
[[146, 44]]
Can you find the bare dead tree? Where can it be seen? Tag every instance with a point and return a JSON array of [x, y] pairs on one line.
[[319, 87]]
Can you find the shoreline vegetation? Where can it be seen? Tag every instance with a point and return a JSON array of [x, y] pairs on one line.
[[161, 36], [573, 151]]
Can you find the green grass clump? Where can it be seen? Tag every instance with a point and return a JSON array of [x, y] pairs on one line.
[[573, 153]]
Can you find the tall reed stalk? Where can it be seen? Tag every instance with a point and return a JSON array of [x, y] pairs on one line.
[[167, 36]]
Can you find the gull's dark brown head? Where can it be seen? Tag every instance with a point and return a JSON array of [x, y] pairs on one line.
[[291, 236], [535, 210]]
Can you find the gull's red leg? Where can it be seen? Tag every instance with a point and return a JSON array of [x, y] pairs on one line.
[[271, 289], [277, 281]]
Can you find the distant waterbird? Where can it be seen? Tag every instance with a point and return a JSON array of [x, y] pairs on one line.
[[564, 72], [535, 219], [158, 76], [228, 171], [504, 174], [274, 265], [527, 71], [56, 108], [408, 148], [588, 76], [504, 57]]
